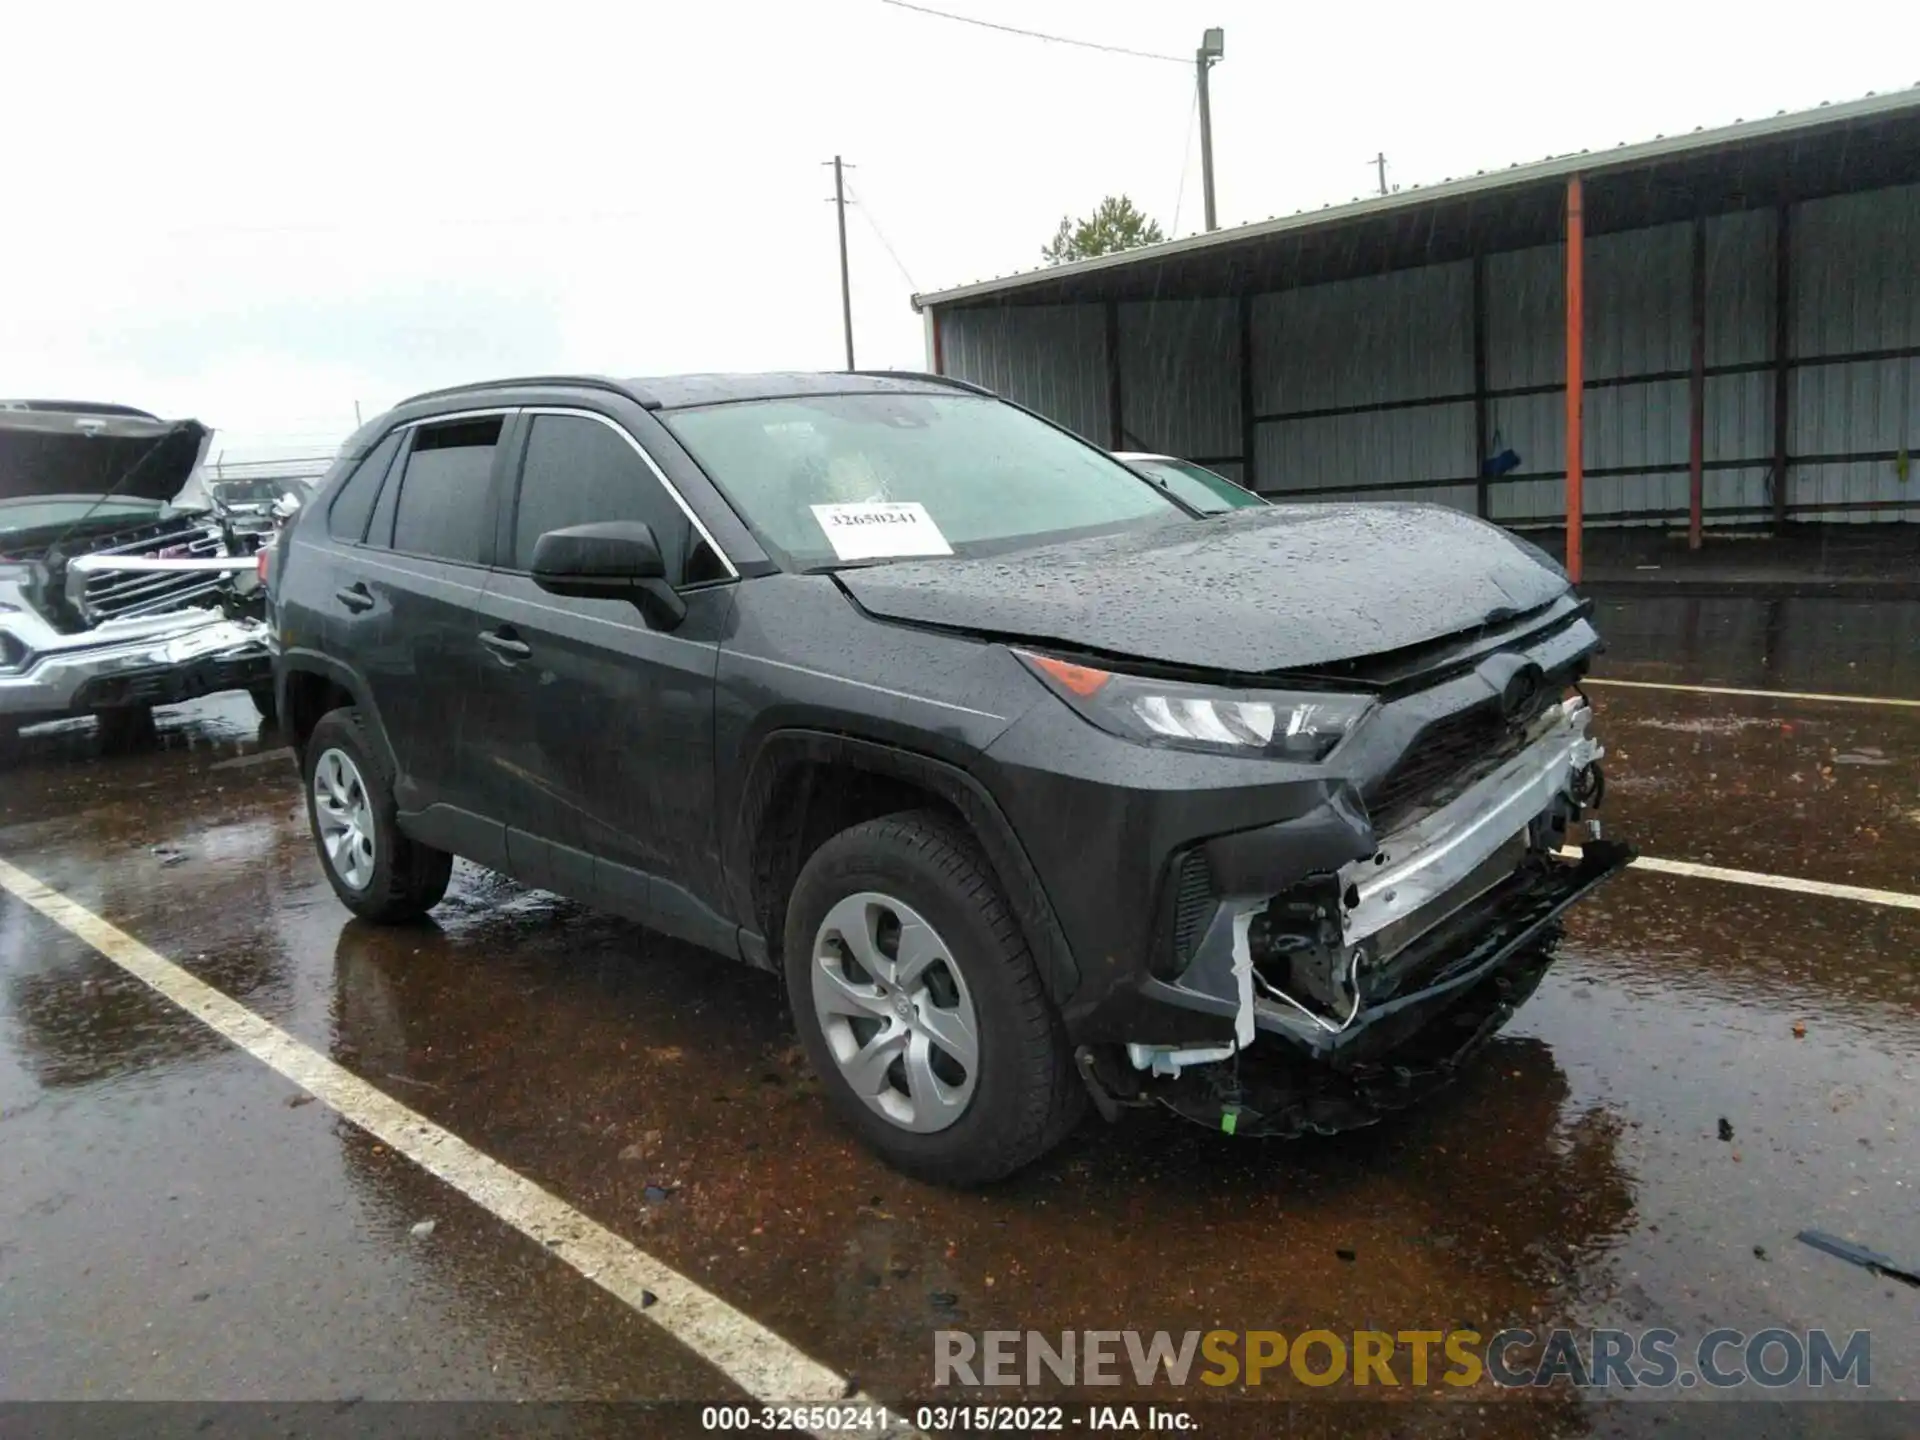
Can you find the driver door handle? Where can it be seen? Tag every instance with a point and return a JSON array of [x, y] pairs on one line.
[[505, 644]]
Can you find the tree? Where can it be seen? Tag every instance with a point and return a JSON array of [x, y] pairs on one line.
[[1115, 226]]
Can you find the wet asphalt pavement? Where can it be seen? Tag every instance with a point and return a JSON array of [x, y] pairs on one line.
[[176, 1224]]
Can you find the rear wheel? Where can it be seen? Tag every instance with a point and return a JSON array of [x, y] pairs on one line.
[[377, 872], [262, 697], [919, 1006]]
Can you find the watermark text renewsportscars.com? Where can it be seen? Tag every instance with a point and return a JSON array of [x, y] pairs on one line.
[[1770, 1358]]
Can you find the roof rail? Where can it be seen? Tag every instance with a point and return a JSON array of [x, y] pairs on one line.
[[587, 382], [930, 378]]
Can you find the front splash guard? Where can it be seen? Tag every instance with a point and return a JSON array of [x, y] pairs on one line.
[[1405, 1048]]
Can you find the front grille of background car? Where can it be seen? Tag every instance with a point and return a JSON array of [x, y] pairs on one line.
[[115, 594], [1192, 899], [1443, 760]]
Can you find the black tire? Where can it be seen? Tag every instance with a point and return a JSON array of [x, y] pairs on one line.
[[1027, 1096], [125, 727], [262, 697], [408, 878]]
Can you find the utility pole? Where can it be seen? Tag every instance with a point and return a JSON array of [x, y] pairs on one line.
[[1381, 161], [846, 294], [1213, 45]]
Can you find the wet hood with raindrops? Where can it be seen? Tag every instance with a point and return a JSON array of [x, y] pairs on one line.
[[1286, 588]]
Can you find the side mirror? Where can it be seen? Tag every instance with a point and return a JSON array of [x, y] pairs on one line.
[[612, 560]]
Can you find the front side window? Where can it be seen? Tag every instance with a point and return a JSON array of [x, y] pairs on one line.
[[990, 476], [444, 508], [581, 472]]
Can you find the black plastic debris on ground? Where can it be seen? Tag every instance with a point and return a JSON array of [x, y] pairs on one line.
[[1859, 1255]]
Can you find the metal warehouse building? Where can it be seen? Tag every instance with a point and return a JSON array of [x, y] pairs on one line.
[[1720, 328]]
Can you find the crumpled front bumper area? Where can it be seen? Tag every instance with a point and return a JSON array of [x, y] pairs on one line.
[[1351, 988], [1487, 965], [159, 661]]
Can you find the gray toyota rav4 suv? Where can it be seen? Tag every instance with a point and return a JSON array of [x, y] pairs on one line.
[[1039, 789]]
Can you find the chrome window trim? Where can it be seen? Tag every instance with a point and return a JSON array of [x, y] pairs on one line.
[[733, 571], [504, 411]]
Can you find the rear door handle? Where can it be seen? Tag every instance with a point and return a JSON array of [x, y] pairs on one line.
[[505, 644], [355, 597]]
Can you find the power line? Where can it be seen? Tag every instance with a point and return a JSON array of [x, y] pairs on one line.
[[1186, 163], [1037, 35], [866, 210]]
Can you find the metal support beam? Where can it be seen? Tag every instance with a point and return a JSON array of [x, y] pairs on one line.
[[1782, 357], [1203, 62], [1249, 427], [1697, 391], [936, 361], [1116, 433], [1480, 498], [1576, 371], [846, 290]]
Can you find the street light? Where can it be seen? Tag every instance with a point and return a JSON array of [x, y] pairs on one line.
[[1213, 46]]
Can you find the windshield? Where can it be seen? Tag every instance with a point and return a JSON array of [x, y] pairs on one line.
[[833, 479], [56, 512], [1198, 486]]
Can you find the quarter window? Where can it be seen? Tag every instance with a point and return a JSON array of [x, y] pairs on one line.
[[347, 516]]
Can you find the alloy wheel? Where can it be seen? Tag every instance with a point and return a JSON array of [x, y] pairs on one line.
[[896, 1012], [345, 817]]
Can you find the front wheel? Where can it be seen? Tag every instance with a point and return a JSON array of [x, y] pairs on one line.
[[263, 702], [377, 872], [919, 1006]]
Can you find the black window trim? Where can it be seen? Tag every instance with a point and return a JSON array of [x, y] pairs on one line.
[[507, 414], [397, 434], [511, 512]]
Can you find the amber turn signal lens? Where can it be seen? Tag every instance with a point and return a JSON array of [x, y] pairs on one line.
[[1082, 680]]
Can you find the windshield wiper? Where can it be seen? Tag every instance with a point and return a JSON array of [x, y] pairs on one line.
[[837, 565]]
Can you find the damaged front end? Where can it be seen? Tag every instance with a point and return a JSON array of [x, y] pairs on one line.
[[1355, 990], [113, 597]]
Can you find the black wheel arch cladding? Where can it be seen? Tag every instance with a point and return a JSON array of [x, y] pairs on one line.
[[768, 842]]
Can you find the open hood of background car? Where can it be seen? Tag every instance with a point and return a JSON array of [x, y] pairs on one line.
[[75, 451], [1290, 587]]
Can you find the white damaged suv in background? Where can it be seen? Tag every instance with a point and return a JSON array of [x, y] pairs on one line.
[[116, 597]]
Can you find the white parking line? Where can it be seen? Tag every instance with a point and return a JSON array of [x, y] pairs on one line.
[[1756, 694], [1896, 898], [739, 1347]]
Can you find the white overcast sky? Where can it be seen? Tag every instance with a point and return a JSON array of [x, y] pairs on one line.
[[260, 214]]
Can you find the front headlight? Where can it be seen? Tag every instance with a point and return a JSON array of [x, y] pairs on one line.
[[1282, 724]]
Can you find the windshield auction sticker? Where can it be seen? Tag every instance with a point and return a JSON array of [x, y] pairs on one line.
[[881, 530]]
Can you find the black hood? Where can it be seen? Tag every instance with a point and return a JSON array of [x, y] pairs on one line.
[[1293, 587], [76, 452]]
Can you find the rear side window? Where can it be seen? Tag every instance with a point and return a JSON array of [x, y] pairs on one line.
[[444, 508], [353, 503], [580, 472]]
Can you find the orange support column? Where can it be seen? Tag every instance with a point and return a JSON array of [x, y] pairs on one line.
[[1576, 371]]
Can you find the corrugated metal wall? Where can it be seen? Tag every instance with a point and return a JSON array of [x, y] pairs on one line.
[[1180, 380], [1327, 357], [1365, 388], [1856, 261], [1050, 358]]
